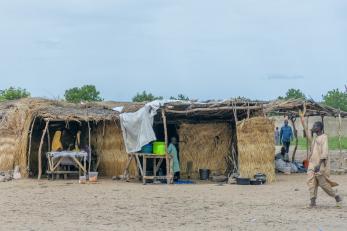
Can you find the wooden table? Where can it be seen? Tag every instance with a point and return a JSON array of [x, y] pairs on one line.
[[56, 158], [143, 168]]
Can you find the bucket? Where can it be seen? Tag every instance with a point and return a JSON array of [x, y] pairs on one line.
[[159, 148], [93, 177], [82, 180], [148, 148], [204, 174]]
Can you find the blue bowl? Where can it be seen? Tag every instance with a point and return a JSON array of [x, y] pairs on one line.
[[148, 148]]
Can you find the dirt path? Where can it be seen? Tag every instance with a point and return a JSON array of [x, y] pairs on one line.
[[66, 205]]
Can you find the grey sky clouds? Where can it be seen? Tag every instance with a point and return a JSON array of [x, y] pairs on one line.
[[204, 49]]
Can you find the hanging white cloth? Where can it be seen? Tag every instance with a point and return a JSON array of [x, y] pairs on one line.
[[137, 127]]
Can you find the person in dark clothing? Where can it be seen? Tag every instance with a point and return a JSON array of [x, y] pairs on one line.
[[286, 135]]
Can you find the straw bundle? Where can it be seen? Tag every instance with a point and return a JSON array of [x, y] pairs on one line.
[[206, 145], [108, 141], [13, 137], [256, 147]]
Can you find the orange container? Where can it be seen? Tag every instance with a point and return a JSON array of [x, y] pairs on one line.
[[305, 163]]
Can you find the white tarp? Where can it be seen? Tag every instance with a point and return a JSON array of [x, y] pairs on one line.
[[137, 127]]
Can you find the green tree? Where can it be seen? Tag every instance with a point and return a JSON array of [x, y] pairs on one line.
[[293, 94], [85, 93], [145, 97], [336, 99], [13, 93], [180, 97]]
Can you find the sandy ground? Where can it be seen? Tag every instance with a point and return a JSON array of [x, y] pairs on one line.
[[110, 205]]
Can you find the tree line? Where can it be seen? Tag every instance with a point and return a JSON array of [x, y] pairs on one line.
[[335, 98]]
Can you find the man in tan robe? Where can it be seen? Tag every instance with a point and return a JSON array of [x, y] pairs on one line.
[[319, 164]]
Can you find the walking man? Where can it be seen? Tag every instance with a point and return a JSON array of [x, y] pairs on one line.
[[319, 163], [286, 135]]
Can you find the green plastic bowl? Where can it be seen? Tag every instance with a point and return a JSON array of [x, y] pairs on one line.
[[159, 148]]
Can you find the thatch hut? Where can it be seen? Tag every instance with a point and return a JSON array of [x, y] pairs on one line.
[[231, 136], [27, 125], [223, 136], [208, 135]]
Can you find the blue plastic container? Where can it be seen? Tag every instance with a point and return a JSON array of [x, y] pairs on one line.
[[148, 148]]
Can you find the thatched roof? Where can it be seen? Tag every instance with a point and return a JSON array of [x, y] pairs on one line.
[[292, 107], [184, 110], [59, 110], [243, 107]]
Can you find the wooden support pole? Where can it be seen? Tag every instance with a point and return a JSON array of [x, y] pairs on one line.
[[48, 140], [39, 156], [308, 146], [90, 148], [29, 151], [168, 165], [235, 112], [248, 111], [293, 119], [340, 143]]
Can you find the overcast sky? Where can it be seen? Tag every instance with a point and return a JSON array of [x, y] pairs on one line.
[[203, 49]]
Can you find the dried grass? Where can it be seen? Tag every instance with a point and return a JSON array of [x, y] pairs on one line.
[[206, 145], [256, 147], [17, 116], [108, 141], [13, 137]]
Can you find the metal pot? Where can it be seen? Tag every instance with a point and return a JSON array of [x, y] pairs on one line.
[[261, 177]]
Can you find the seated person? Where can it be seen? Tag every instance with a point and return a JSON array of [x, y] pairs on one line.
[[77, 141], [282, 163], [283, 155], [57, 145]]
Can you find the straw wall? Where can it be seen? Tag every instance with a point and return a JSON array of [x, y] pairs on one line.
[[256, 147], [206, 145], [108, 141], [14, 128]]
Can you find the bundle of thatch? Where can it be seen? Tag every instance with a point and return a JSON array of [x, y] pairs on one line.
[[206, 145], [14, 125], [108, 141], [256, 147]]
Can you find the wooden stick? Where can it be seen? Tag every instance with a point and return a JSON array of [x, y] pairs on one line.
[[226, 108], [79, 164], [30, 138], [40, 151], [235, 112], [248, 111], [308, 146], [144, 160], [168, 170], [293, 119], [90, 149], [48, 140], [340, 144]]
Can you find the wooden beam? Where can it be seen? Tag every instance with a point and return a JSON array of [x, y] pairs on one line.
[[40, 151], [308, 146], [30, 138], [90, 149], [226, 108], [48, 140], [293, 119], [340, 143], [167, 159]]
